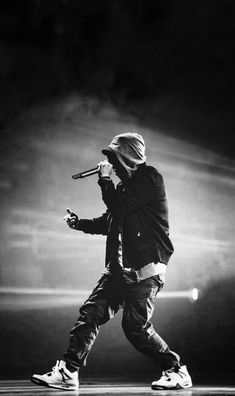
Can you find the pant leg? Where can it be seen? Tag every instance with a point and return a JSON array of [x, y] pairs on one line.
[[101, 306], [137, 311]]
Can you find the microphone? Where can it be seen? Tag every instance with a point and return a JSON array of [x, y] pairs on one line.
[[86, 173]]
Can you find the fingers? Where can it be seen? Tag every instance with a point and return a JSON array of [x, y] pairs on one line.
[[105, 162], [66, 217], [72, 222], [105, 168], [71, 217]]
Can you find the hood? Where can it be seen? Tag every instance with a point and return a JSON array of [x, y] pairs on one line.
[[129, 149]]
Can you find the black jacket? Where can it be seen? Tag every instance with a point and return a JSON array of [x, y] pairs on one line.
[[140, 209]]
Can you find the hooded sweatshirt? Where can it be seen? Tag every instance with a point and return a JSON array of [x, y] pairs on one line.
[[130, 151]]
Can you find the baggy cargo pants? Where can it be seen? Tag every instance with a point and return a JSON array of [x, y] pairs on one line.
[[113, 291]]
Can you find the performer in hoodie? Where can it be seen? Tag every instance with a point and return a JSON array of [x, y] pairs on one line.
[[138, 249]]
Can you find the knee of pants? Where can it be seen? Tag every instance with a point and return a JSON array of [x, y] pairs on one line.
[[132, 329], [94, 314]]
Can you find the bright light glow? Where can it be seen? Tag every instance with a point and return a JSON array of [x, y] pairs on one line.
[[70, 296], [195, 294]]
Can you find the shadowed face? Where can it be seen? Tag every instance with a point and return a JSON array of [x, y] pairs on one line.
[[118, 168]]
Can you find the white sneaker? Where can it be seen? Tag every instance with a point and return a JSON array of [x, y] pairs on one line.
[[60, 377], [173, 379]]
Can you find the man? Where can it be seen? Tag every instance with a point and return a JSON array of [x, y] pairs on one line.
[[138, 249]]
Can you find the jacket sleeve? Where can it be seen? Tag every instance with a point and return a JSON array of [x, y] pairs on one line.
[[98, 225], [147, 188], [109, 194]]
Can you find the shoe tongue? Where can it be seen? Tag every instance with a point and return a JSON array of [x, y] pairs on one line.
[[61, 364], [171, 370]]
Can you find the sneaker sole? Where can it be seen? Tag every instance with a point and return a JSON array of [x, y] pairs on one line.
[[178, 386], [40, 382]]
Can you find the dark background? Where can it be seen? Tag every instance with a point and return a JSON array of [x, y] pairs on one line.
[[169, 62], [74, 74]]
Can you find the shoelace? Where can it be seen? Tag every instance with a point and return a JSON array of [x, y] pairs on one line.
[[166, 374], [171, 373]]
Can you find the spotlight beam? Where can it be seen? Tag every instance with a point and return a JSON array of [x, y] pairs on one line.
[[78, 295]]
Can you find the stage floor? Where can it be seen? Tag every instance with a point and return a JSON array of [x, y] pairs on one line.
[[22, 387]]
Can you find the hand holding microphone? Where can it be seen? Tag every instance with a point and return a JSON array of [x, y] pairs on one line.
[[71, 219], [104, 168]]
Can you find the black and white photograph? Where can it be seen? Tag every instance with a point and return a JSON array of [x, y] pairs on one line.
[[117, 185]]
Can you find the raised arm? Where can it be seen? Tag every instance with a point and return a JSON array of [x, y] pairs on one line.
[[96, 225]]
